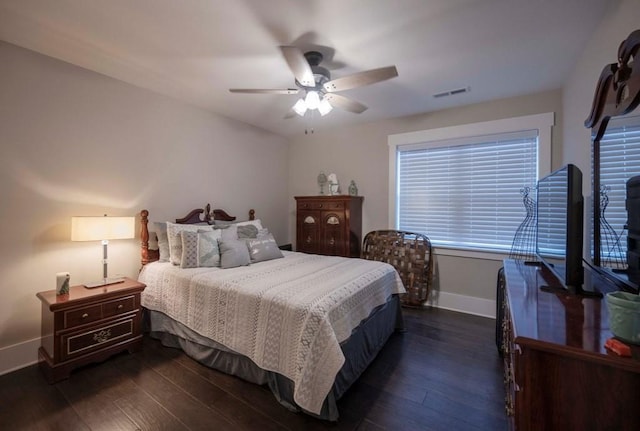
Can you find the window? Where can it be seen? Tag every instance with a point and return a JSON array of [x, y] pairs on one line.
[[619, 161], [461, 186]]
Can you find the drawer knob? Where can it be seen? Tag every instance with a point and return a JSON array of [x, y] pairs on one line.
[[320, 206], [120, 306], [85, 315]]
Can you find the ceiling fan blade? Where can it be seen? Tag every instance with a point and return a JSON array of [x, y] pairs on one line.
[[264, 90], [361, 78], [345, 103], [290, 114], [298, 65]]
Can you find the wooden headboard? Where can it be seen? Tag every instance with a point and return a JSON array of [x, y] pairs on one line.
[[199, 215]]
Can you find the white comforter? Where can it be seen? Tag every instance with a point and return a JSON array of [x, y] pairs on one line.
[[287, 315]]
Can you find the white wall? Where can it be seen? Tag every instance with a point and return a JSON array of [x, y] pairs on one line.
[[580, 86], [73, 142], [361, 153]]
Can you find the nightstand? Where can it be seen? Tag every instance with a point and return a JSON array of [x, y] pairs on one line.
[[88, 325]]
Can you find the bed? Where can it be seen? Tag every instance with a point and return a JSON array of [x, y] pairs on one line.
[[305, 325]]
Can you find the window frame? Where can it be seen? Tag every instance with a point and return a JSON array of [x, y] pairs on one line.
[[541, 122]]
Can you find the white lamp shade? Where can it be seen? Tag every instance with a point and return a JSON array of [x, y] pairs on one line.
[[300, 107], [312, 100], [324, 107], [102, 228]]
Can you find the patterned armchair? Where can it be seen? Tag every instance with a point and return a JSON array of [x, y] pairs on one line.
[[410, 254]]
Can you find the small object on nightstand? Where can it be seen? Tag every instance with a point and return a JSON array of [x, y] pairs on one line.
[[287, 247], [62, 283]]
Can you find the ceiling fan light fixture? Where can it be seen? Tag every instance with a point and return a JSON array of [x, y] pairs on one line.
[[312, 100], [300, 107], [324, 107]]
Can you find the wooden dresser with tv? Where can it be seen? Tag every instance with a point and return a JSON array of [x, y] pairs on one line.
[[558, 374]]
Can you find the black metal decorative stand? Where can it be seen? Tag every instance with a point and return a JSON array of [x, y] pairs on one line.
[[611, 253], [523, 246]]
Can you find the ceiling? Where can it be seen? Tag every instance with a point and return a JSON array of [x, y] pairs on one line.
[[195, 50]]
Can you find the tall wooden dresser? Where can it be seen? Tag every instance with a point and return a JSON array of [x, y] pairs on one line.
[[330, 225]]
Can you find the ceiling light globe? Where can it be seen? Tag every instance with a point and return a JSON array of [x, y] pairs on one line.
[[324, 107], [312, 100], [300, 107]]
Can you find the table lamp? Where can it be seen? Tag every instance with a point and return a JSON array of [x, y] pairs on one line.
[[96, 228]]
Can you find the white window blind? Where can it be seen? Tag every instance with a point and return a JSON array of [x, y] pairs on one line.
[[466, 193], [619, 161]]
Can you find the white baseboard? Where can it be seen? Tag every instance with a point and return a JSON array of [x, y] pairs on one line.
[[464, 304], [19, 355]]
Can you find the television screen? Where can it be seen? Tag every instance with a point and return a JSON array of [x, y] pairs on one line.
[[559, 226]]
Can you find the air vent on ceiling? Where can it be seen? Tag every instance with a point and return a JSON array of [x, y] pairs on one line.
[[452, 92]]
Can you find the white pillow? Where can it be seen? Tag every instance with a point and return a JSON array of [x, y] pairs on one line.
[[175, 241], [160, 228]]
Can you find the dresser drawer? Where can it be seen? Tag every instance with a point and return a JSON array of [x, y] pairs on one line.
[[319, 205], [80, 316], [119, 306], [81, 342]]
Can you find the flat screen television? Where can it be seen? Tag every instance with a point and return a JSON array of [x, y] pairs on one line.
[[559, 226]]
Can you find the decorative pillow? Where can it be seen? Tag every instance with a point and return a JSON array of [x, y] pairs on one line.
[[257, 223], [189, 257], [175, 243], [229, 232], [247, 231], [238, 230], [199, 248], [265, 248], [208, 248], [160, 228], [233, 253]]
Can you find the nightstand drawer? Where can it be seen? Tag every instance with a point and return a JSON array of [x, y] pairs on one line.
[[78, 343], [80, 316], [119, 306]]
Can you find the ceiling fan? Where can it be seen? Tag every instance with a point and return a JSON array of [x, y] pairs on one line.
[[316, 85]]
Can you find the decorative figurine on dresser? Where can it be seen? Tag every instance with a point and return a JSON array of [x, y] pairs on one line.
[[353, 189], [329, 225]]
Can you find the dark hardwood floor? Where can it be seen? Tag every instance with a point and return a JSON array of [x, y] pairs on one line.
[[442, 374]]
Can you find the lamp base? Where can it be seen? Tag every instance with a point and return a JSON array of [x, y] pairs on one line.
[[104, 282]]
